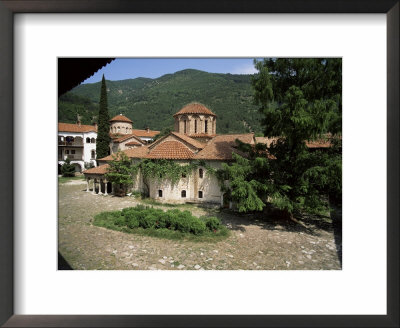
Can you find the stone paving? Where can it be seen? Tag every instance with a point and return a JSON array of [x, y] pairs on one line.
[[254, 244]]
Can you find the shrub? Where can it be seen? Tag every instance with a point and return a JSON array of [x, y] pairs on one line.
[[213, 223], [148, 221], [119, 221], [172, 224], [197, 227], [67, 169]]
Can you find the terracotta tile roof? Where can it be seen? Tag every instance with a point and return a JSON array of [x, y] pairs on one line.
[[68, 127], [266, 140], [133, 143], [195, 108], [127, 137], [170, 150], [189, 140], [202, 135], [319, 143], [102, 169], [139, 152], [120, 118], [145, 133], [222, 146]]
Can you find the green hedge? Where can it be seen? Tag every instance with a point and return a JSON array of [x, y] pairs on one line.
[[171, 223]]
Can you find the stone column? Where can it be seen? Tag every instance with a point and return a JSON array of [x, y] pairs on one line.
[[112, 189], [105, 188], [230, 205], [94, 187], [87, 184], [100, 193], [222, 200]]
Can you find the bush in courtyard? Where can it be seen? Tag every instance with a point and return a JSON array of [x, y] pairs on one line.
[[155, 222], [213, 223], [67, 169], [197, 227]]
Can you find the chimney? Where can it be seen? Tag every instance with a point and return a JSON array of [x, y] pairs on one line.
[[78, 119], [147, 129], [95, 125]]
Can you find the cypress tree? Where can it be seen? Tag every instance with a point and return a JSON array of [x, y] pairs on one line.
[[103, 136]]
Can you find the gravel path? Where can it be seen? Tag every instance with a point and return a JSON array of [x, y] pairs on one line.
[[252, 244]]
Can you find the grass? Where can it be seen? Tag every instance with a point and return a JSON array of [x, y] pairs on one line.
[[66, 179], [147, 224]]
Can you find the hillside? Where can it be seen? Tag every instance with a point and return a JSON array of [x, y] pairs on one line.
[[152, 102]]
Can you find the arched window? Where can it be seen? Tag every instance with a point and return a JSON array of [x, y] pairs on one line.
[[118, 129], [200, 194], [195, 126], [126, 130], [183, 193], [205, 126], [93, 153], [184, 126], [160, 193], [93, 140], [201, 173], [87, 140]]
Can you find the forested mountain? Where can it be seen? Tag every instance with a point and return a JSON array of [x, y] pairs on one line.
[[152, 102]]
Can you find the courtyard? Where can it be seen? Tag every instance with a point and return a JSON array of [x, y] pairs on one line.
[[255, 242]]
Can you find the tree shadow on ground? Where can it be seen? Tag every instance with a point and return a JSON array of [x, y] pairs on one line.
[[62, 263], [274, 220]]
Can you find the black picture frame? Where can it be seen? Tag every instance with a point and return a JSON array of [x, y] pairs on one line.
[[10, 7]]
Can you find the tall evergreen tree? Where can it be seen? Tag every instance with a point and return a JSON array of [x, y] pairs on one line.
[[300, 100], [103, 130]]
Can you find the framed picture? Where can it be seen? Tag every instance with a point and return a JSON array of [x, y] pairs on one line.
[[13, 171]]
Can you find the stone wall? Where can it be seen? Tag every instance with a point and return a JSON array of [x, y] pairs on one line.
[[192, 184]]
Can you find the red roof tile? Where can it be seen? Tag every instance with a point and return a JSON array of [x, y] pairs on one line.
[[145, 133], [170, 150], [139, 152], [195, 108], [202, 135], [222, 146], [102, 169], [127, 137], [120, 118], [67, 127], [133, 143], [319, 143], [266, 140], [189, 140]]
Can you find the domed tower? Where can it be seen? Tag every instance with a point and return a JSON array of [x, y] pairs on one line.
[[120, 124], [196, 121]]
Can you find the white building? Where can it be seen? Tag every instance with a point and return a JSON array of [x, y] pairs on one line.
[[78, 143]]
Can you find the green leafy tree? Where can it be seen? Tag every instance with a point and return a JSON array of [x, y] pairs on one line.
[[103, 136], [67, 169], [120, 172], [300, 100]]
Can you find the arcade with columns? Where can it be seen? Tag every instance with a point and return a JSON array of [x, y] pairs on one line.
[[97, 184]]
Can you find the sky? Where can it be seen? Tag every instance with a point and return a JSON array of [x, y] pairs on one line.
[[130, 68]]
